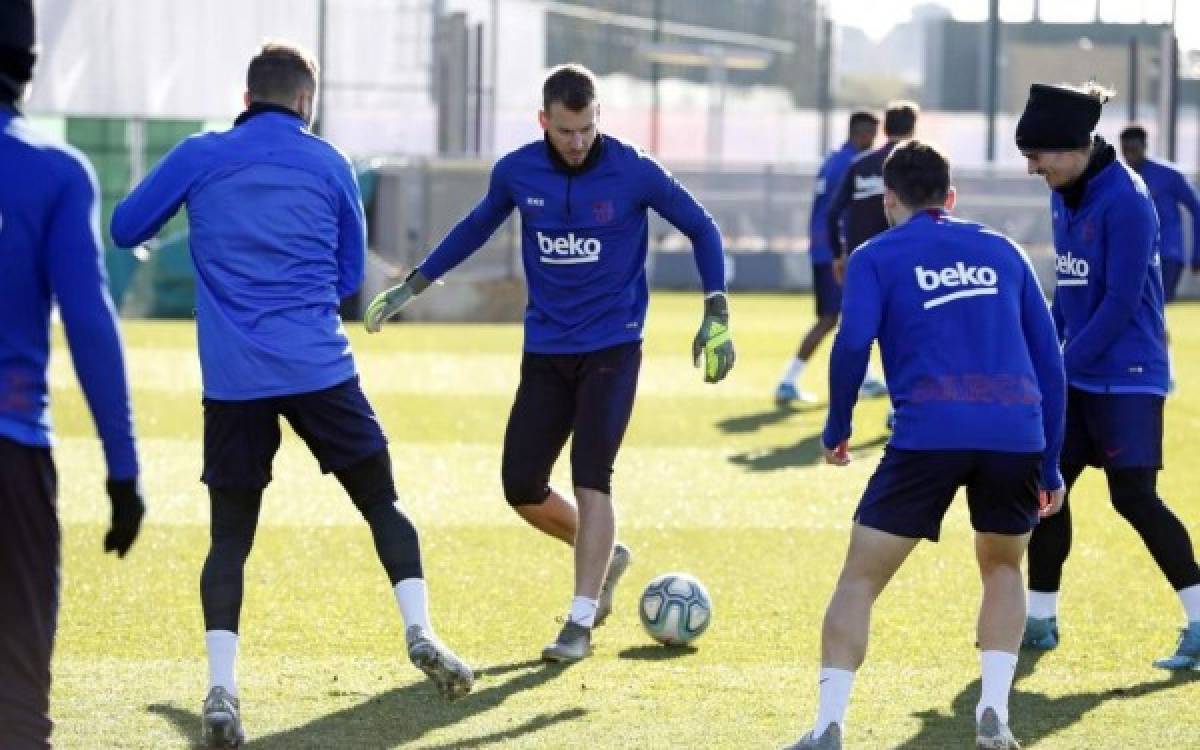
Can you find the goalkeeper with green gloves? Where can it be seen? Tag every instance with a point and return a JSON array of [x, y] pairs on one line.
[[583, 199]]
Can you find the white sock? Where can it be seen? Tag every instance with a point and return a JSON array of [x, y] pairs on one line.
[[1190, 599], [794, 369], [583, 611], [1043, 604], [998, 670], [222, 648], [413, 599], [834, 698]]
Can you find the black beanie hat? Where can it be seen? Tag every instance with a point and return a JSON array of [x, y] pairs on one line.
[[17, 40], [1058, 118]]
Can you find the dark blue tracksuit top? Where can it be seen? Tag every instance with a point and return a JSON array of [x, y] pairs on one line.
[[1108, 300], [50, 252], [584, 238], [1169, 190], [968, 343]]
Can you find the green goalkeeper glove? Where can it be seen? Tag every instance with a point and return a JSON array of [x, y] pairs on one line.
[[713, 346], [387, 304]]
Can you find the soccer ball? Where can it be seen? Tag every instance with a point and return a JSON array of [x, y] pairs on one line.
[[675, 609]]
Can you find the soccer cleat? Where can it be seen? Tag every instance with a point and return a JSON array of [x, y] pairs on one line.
[[1041, 633], [452, 677], [786, 393], [992, 734], [574, 642], [1187, 654], [221, 719], [872, 387], [621, 558], [830, 740]]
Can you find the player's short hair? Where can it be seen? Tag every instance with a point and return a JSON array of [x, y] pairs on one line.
[[1134, 133], [571, 85], [863, 119], [280, 72], [900, 118], [917, 173]]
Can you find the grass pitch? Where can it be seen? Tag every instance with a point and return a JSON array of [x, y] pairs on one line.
[[712, 480]]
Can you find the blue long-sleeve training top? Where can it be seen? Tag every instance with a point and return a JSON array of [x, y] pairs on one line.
[[856, 208], [968, 344], [1109, 296], [1169, 189], [584, 237], [829, 178], [277, 237], [50, 251]]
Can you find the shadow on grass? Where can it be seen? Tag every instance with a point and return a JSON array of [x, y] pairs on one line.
[[400, 716], [804, 453], [1034, 716], [759, 420], [657, 652]]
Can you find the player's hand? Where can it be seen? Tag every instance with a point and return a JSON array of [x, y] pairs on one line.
[[387, 304], [1051, 501], [127, 512], [840, 455], [713, 345], [839, 269]]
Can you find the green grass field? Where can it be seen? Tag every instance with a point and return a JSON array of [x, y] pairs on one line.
[[712, 480]]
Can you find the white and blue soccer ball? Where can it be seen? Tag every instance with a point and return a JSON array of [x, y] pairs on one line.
[[675, 609]]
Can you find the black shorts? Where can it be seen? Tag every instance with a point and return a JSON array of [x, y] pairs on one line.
[[910, 491], [29, 559], [589, 396], [827, 290], [242, 437], [1113, 430], [1172, 272]]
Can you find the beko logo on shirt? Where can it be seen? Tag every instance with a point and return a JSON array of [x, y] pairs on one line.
[[1072, 271], [979, 280], [866, 187], [569, 249]]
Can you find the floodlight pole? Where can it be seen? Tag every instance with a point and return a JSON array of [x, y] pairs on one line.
[[322, 20], [993, 77], [655, 73]]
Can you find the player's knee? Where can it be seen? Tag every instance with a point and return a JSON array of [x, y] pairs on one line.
[[523, 487], [590, 476], [1134, 493], [369, 483]]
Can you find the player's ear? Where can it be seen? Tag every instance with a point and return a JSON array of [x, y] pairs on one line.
[[889, 199], [246, 99], [951, 199], [543, 120]]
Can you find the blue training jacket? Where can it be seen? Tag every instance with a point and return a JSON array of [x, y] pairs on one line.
[[50, 251], [584, 237], [278, 238], [829, 177], [968, 343], [1169, 190], [1109, 297]]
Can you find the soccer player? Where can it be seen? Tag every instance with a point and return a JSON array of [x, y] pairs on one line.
[[1108, 305], [583, 199], [826, 289], [857, 206], [970, 351], [1169, 190], [50, 252], [277, 239]]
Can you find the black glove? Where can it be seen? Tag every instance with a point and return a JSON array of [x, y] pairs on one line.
[[127, 512]]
